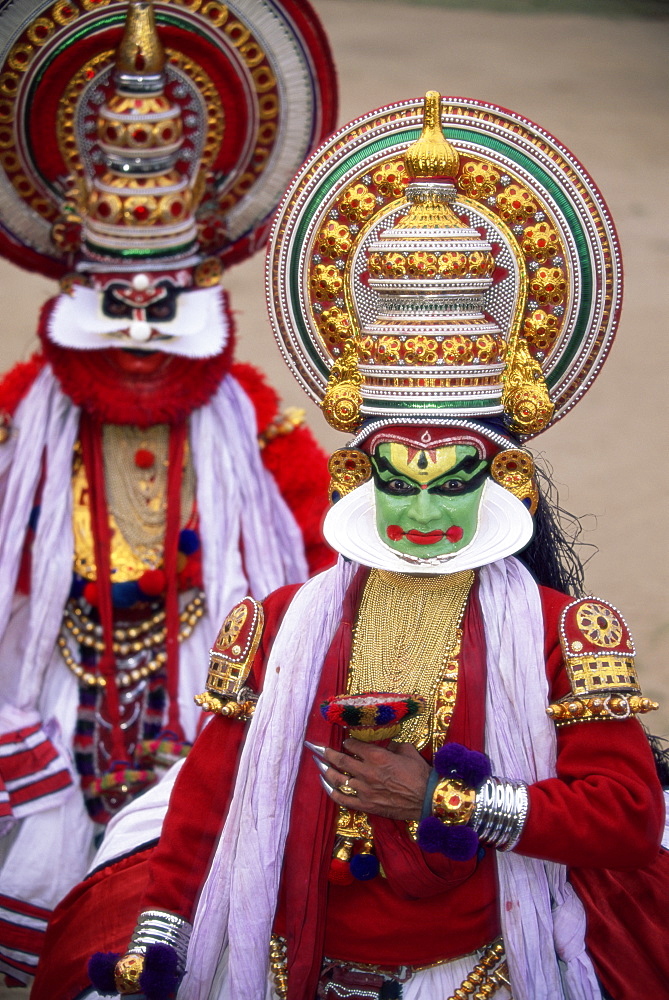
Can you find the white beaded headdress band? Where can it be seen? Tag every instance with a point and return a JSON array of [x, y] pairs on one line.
[[370, 429]]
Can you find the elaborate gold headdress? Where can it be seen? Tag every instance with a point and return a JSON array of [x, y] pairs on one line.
[[451, 262], [136, 133]]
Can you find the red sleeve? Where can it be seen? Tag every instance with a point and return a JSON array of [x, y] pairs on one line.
[[605, 808], [299, 466], [201, 796], [297, 463]]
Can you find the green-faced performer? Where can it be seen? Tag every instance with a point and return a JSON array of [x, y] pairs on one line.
[[475, 811]]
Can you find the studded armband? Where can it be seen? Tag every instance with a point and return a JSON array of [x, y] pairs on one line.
[[230, 663], [599, 656]]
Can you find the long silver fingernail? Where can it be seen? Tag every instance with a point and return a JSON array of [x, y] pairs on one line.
[[327, 787], [315, 747], [320, 764]]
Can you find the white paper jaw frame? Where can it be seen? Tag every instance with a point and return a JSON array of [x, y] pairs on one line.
[[505, 527]]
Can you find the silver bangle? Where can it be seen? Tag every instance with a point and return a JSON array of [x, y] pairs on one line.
[[500, 812], [160, 927]]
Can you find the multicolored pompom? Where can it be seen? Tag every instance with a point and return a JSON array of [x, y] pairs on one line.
[[372, 715]]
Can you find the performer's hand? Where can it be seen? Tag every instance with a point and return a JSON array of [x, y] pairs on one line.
[[387, 782]]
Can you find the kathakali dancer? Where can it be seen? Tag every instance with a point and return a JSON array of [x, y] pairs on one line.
[[148, 482], [424, 777]]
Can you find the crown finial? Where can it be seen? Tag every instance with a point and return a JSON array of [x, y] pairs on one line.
[[140, 53], [431, 155]]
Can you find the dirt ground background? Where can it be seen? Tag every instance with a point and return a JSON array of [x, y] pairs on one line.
[[598, 81]]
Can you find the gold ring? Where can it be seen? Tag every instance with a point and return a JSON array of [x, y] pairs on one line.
[[346, 789]]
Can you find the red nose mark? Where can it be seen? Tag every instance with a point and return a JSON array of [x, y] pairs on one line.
[[454, 533]]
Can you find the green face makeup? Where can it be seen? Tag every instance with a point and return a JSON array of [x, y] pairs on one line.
[[427, 501]]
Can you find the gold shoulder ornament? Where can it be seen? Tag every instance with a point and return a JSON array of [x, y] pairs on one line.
[[230, 662], [599, 656], [285, 422]]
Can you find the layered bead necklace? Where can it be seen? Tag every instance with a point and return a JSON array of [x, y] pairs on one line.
[[406, 641], [407, 632]]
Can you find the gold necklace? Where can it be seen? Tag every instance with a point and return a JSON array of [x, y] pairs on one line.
[[137, 497], [137, 638], [136, 501], [405, 638]]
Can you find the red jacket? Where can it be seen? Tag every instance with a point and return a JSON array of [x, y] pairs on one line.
[[602, 816]]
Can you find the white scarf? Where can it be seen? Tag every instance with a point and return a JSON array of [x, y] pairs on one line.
[[542, 917]]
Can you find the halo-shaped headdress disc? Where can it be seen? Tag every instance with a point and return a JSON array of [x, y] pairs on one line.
[[241, 92], [444, 259]]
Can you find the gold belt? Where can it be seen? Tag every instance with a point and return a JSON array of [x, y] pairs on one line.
[[488, 975]]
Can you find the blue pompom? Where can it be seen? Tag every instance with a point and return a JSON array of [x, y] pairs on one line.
[[101, 967], [124, 595], [384, 714], [34, 518], [454, 760], [391, 990], [463, 843], [159, 979], [460, 843], [431, 834], [189, 541], [364, 867], [77, 588]]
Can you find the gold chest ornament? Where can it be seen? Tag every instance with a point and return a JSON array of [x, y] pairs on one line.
[[136, 500], [407, 639]]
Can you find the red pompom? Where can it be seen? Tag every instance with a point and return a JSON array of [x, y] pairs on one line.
[[340, 872], [152, 582], [91, 593], [144, 458]]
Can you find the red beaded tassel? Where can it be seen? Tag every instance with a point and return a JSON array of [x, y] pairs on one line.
[[92, 455]]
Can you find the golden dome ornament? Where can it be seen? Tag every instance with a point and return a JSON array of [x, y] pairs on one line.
[[432, 155]]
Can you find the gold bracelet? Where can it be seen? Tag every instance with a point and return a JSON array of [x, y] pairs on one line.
[[453, 802], [127, 972]]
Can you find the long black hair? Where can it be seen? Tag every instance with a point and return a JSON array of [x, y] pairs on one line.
[[552, 555]]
